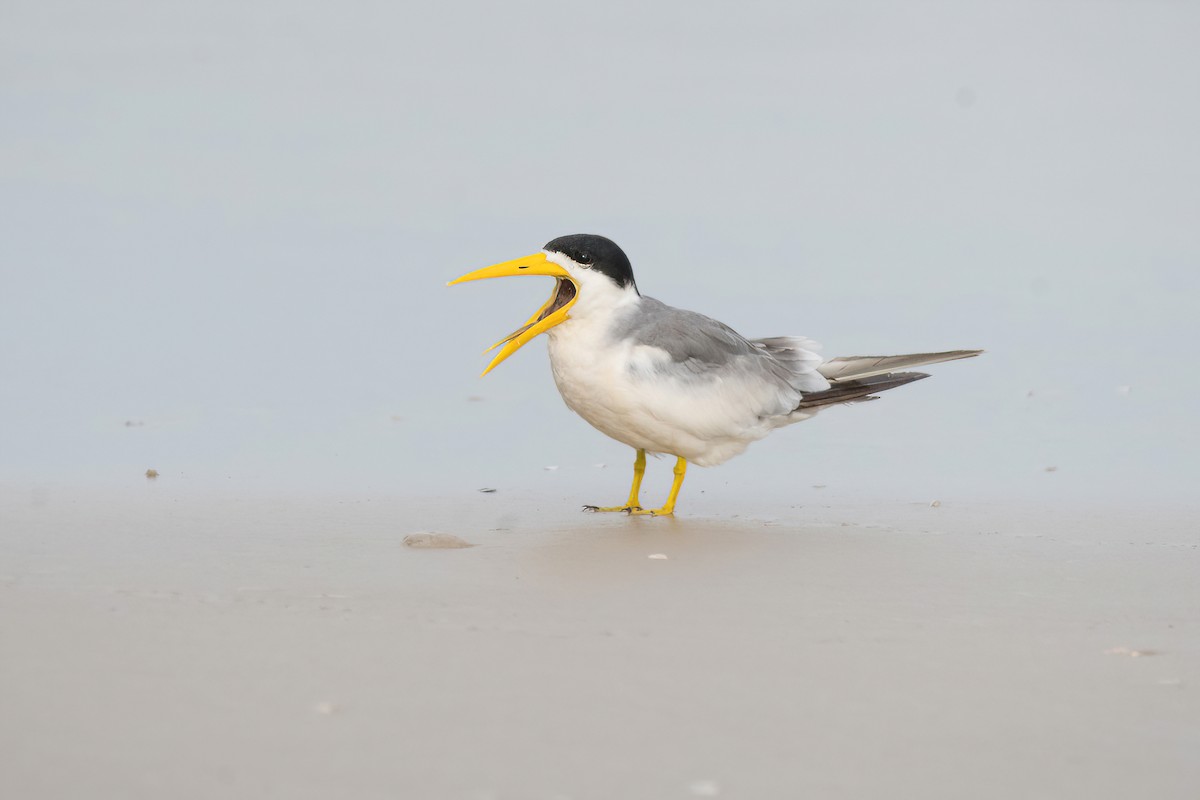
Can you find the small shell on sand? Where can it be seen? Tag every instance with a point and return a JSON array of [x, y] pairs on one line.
[[151, 474], [658, 556], [428, 540], [1126, 651]]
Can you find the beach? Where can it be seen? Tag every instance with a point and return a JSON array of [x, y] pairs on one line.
[[166, 643]]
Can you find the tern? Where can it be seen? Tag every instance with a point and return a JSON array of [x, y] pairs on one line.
[[668, 381]]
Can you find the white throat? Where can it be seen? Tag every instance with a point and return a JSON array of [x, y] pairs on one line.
[[599, 298]]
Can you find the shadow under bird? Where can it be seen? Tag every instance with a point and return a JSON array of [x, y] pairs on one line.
[[666, 380]]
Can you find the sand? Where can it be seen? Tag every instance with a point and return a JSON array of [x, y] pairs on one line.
[[164, 643]]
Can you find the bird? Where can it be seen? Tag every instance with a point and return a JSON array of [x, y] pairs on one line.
[[668, 381]]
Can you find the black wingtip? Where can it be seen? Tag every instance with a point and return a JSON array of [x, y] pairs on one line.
[[849, 391]]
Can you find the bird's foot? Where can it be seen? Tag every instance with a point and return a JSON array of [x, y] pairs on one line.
[[626, 509], [652, 512]]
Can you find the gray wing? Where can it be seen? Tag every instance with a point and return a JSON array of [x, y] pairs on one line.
[[705, 347], [685, 335], [857, 367]]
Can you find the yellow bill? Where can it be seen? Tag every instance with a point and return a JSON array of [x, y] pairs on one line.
[[552, 312]]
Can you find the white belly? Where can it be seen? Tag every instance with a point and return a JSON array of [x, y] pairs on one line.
[[626, 392]]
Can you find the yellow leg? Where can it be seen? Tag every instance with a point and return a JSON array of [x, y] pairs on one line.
[[668, 507], [639, 469]]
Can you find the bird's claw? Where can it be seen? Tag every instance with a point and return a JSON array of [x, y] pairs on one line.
[[602, 509], [650, 512]]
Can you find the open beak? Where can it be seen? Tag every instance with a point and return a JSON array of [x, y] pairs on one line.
[[552, 312]]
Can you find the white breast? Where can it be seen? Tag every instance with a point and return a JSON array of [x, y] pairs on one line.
[[634, 395]]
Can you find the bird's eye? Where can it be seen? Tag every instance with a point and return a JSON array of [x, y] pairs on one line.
[[584, 258]]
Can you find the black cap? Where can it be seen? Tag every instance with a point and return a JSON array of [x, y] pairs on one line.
[[595, 253]]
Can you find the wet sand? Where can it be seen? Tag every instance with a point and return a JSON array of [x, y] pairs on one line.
[[180, 644]]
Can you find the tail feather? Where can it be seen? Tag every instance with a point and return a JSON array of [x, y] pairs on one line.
[[855, 368], [859, 389]]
